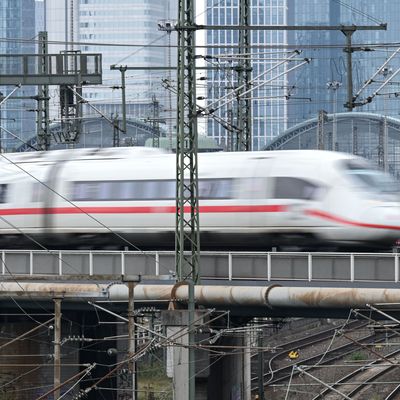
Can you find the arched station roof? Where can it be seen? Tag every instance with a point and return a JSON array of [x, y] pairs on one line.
[[360, 133]]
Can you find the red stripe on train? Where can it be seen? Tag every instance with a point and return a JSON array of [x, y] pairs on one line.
[[273, 208], [141, 210], [340, 220]]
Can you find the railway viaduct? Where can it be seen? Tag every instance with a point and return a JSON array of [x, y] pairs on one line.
[[243, 284]]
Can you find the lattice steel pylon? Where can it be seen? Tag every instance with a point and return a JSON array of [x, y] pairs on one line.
[[187, 208], [243, 142], [43, 123]]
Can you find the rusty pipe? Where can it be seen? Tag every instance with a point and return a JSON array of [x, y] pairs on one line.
[[261, 296], [204, 295], [325, 297], [46, 291]]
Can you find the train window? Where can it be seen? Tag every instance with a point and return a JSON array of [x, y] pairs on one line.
[[153, 190], [85, 191], [295, 188], [105, 190], [146, 190], [167, 189], [123, 190], [215, 188], [3, 192]]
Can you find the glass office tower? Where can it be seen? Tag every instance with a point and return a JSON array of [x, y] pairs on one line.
[[328, 64], [17, 21], [320, 85], [126, 33], [269, 91]]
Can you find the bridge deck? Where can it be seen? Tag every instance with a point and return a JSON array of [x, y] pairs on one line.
[[324, 269]]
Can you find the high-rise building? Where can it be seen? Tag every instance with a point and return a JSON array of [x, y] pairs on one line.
[[268, 104], [328, 64], [320, 85], [39, 15], [17, 26], [125, 32]]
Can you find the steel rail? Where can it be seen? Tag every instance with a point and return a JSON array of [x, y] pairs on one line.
[[358, 371], [330, 356], [393, 394], [308, 341]]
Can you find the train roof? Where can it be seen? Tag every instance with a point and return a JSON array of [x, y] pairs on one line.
[[129, 152], [289, 154], [81, 154]]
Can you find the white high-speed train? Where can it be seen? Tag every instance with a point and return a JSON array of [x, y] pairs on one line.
[[247, 200]]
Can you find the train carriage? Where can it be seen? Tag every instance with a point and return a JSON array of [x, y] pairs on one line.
[[247, 200]]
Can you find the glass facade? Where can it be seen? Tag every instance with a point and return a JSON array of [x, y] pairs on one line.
[[126, 33], [268, 95], [329, 63], [126, 22], [17, 21], [320, 85]]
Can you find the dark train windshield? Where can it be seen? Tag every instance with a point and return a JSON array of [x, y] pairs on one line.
[[364, 176], [287, 187]]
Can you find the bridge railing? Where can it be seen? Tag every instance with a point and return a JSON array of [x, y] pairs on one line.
[[230, 266]]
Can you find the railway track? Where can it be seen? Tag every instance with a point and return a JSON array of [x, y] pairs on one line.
[[322, 358], [368, 373], [282, 373], [394, 394]]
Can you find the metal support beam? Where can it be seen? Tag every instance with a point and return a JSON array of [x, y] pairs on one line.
[[354, 134], [260, 364], [59, 71], [187, 210], [322, 117], [122, 69], [243, 142], [115, 131], [4, 99], [381, 145], [155, 121], [57, 347], [71, 106], [348, 32], [132, 339], [334, 85], [187, 233], [191, 342], [388, 316], [342, 28], [83, 100], [43, 128]]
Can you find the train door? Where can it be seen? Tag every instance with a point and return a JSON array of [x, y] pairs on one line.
[[23, 198], [224, 217], [295, 190]]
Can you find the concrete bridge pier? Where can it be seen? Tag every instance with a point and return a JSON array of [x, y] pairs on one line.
[[230, 375], [176, 327], [223, 370]]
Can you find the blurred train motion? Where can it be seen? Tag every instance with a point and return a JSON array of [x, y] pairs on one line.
[[304, 199]]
